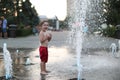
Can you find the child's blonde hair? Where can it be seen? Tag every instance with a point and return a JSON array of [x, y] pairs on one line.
[[42, 22]]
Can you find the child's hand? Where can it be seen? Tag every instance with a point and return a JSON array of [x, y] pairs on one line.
[[49, 36]]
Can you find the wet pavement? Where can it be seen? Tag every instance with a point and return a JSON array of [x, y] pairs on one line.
[[97, 64]]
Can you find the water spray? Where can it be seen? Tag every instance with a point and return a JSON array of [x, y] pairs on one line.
[[7, 62]]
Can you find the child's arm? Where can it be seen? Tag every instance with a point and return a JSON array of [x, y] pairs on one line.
[[43, 38]]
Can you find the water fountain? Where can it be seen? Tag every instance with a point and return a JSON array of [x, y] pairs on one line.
[[113, 49], [77, 27], [118, 44], [28, 62], [7, 62], [84, 14]]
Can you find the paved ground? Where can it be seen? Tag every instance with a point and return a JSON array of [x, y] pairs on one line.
[[97, 62], [59, 39]]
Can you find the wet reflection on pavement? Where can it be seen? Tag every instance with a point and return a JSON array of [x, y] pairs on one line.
[[59, 64], [62, 65]]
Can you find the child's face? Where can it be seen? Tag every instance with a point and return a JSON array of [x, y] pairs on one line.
[[45, 25]]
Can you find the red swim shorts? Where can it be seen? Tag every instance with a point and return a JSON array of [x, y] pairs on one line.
[[43, 51]]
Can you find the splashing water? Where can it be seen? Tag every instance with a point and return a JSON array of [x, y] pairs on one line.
[[113, 48], [7, 62], [77, 27], [83, 14], [119, 44], [28, 62]]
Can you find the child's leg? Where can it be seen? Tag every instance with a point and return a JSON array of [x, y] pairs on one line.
[[43, 68]]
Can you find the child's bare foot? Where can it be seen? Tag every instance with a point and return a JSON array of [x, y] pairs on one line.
[[47, 71], [44, 73]]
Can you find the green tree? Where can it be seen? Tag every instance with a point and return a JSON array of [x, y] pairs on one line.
[[29, 14], [65, 23], [19, 12], [113, 12], [6, 8]]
